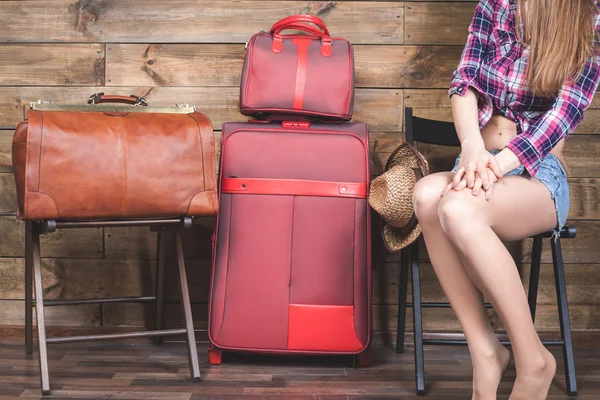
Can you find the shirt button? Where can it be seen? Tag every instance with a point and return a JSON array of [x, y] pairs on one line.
[[460, 90]]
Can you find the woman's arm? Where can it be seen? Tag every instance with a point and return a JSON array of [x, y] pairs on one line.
[[476, 47], [475, 158], [464, 84]]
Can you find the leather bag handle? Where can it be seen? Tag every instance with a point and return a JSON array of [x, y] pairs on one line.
[[99, 98], [300, 18]]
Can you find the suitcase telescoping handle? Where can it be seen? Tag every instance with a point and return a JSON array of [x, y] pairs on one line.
[[99, 98], [300, 22]]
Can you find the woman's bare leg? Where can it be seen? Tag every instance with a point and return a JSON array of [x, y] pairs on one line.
[[489, 357], [519, 208]]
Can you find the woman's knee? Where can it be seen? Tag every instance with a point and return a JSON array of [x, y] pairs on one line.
[[457, 210], [426, 197]]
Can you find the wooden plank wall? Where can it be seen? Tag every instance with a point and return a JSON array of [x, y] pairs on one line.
[[191, 52]]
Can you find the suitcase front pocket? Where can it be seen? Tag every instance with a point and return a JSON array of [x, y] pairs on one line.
[[294, 261]]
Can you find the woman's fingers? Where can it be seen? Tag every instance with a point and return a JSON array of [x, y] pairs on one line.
[[458, 176], [470, 175], [461, 185], [477, 186], [447, 189], [482, 175], [492, 178]]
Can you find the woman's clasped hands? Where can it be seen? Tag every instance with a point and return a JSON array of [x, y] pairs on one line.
[[477, 169]]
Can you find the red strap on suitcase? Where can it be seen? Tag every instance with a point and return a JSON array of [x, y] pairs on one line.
[[295, 187]]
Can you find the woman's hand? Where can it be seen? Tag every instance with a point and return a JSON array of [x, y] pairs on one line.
[[477, 169], [492, 179], [475, 159]]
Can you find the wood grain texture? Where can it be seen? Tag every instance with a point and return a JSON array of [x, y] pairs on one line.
[[381, 108], [438, 23], [6, 150], [80, 243], [195, 21], [221, 65], [8, 197], [78, 279], [405, 66], [12, 312], [52, 64], [140, 243], [135, 315]]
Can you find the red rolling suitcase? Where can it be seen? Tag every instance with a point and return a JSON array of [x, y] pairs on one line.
[[291, 266]]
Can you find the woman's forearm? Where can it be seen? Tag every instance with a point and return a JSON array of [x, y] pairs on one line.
[[466, 119]]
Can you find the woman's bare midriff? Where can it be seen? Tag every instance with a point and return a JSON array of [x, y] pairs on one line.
[[500, 130]]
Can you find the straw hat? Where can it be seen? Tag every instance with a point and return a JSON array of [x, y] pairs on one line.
[[391, 196]]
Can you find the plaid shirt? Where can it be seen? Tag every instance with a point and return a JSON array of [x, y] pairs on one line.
[[494, 62]]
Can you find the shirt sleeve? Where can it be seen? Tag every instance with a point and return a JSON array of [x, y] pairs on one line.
[[475, 49], [575, 96]]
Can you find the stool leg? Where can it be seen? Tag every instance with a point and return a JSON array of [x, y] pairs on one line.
[[563, 313], [39, 309], [534, 276], [402, 292], [28, 290], [160, 284], [187, 309], [417, 319]]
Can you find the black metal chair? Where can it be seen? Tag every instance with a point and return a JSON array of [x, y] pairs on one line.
[[33, 275], [443, 133]]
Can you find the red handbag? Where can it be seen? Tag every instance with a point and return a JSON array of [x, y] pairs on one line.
[[300, 76]]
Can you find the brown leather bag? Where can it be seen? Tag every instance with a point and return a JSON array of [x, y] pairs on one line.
[[102, 161]]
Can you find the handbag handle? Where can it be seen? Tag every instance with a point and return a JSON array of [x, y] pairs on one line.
[[99, 98], [277, 46], [301, 27], [300, 18]]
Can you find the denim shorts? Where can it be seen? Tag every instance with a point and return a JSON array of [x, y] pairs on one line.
[[552, 174]]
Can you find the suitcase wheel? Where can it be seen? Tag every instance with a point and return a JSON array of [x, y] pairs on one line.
[[363, 359], [214, 356]]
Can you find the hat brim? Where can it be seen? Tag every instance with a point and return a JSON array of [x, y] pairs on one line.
[[395, 241]]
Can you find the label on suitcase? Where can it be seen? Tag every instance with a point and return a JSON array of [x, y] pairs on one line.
[[291, 269]]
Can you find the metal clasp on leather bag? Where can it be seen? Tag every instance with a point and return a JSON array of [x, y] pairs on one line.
[[31, 105], [95, 97], [139, 101]]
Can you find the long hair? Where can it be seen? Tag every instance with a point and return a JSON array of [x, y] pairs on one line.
[[561, 35]]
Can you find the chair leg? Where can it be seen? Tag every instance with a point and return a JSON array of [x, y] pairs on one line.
[[160, 284], [28, 290], [402, 293], [563, 313], [534, 276], [39, 309], [417, 319], [187, 310]]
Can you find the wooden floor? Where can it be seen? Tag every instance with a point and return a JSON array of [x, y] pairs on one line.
[[136, 369]]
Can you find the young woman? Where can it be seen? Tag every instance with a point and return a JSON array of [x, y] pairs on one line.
[[527, 73]]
